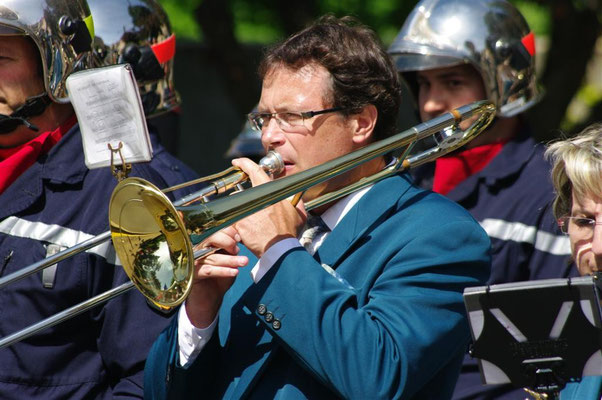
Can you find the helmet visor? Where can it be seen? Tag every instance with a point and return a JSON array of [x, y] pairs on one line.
[[6, 30], [423, 62]]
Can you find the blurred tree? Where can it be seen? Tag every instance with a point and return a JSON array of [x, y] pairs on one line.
[[181, 16], [574, 30], [217, 24], [232, 30]]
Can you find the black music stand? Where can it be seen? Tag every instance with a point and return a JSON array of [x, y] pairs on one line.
[[539, 335]]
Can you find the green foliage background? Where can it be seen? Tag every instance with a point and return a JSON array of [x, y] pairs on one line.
[[220, 43], [257, 21], [568, 29]]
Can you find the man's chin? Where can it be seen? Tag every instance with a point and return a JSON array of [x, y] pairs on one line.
[[289, 169]]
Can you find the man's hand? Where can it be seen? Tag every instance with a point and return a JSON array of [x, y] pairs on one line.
[[215, 273], [262, 229], [213, 276]]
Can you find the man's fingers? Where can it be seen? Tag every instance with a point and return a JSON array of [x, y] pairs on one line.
[[223, 260], [256, 174], [226, 239], [232, 232], [212, 271], [219, 266]]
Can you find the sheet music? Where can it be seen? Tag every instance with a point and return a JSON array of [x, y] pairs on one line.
[[109, 110]]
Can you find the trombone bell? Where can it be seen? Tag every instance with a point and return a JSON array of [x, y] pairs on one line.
[[150, 240]]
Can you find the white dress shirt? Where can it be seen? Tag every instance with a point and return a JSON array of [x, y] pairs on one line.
[[191, 339]]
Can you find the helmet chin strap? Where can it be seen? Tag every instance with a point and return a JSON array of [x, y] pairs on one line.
[[33, 107]]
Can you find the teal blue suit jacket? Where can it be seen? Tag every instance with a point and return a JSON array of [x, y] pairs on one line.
[[388, 323], [590, 388]]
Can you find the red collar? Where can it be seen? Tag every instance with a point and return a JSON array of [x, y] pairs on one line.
[[16, 160], [452, 169]]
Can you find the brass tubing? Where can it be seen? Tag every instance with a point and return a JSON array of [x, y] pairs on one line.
[[48, 261], [221, 182], [204, 219]]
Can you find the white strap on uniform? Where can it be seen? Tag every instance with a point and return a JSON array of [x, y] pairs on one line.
[[57, 235], [557, 245]]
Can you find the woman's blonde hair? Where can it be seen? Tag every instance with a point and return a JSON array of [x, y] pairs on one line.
[[576, 166]]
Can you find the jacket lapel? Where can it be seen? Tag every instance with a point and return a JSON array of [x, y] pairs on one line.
[[374, 206]]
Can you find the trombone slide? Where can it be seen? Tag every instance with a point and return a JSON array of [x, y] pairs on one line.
[[153, 237]]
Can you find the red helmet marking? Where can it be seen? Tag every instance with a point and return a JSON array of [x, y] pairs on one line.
[[529, 43], [165, 50]]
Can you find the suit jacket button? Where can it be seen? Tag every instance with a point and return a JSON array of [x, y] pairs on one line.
[[276, 324], [269, 317], [261, 309]]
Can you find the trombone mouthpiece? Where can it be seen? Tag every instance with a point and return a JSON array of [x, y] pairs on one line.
[[272, 163]]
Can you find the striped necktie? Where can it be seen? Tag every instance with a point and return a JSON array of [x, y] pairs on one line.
[[314, 227]]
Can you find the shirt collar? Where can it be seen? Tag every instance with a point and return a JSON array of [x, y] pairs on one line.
[[513, 157], [334, 214], [65, 163]]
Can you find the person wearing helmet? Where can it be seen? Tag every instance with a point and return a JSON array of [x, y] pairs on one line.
[[454, 52], [49, 201], [139, 33]]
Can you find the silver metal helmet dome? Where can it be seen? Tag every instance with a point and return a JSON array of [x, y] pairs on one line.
[[138, 32], [62, 31], [491, 35]]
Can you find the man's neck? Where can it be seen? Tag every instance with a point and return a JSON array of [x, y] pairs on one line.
[[364, 170], [55, 116], [501, 130]]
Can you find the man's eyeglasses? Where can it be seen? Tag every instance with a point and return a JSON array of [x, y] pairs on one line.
[[287, 121], [579, 226]]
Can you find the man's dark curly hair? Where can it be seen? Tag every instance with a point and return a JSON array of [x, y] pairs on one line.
[[362, 72]]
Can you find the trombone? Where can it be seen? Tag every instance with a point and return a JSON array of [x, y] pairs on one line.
[[154, 237]]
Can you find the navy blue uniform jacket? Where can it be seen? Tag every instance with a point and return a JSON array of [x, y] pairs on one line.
[[100, 354], [392, 326], [512, 199]]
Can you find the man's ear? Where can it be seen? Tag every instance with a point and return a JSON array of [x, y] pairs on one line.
[[365, 121]]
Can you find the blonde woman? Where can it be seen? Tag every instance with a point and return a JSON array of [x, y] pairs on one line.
[[577, 178]]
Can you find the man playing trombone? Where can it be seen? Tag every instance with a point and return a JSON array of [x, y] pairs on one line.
[[372, 306]]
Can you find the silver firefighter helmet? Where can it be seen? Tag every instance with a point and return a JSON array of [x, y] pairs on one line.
[[62, 30], [138, 32], [491, 35]]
